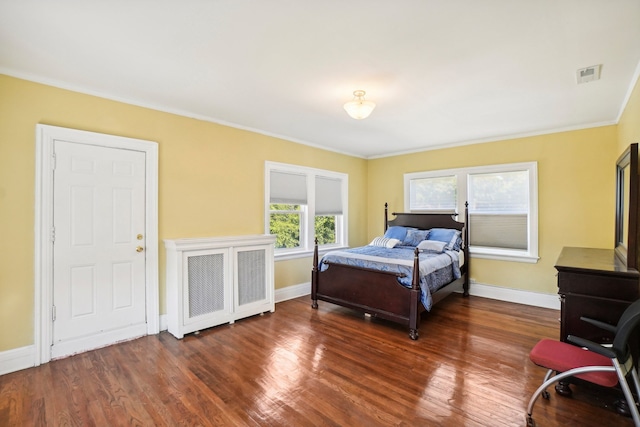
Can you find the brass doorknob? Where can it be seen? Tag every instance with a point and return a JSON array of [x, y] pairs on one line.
[[139, 249]]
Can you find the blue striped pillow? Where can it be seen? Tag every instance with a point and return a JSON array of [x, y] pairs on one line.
[[384, 242]]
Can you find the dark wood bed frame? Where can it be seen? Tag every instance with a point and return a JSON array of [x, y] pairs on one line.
[[379, 293]]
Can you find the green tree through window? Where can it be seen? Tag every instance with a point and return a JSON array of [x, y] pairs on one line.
[[326, 229], [285, 223]]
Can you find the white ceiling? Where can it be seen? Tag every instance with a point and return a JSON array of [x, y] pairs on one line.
[[442, 72]]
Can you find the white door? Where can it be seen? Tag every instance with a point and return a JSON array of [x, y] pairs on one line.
[[98, 250]]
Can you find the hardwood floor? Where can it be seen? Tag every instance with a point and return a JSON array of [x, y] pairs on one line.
[[304, 367]]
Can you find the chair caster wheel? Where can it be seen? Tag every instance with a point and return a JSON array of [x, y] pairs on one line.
[[545, 395], [622, 407], [563, 389]]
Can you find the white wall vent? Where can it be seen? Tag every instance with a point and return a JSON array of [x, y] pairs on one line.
[[589, 74]]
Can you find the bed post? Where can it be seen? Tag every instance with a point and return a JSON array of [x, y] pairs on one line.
[[386, 216], [414, 314], [314, 276], [467, 256]]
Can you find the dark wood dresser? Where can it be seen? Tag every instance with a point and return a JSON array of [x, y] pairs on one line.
[[593, 283]]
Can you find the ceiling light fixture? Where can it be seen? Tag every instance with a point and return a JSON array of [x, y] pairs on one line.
[[359, 108]]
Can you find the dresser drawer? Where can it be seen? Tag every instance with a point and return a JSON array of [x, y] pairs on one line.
[[598, 285]]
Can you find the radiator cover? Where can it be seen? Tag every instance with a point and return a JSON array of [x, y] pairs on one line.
[[212, 281]]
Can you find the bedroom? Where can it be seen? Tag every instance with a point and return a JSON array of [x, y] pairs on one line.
[[575, 169]]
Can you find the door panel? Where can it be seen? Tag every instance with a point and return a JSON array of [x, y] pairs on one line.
[[99, 277], [82, 291]]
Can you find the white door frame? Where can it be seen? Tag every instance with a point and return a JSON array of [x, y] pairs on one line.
[[43, 292]]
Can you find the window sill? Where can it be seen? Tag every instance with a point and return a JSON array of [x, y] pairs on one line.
[[283, 256], [504, 255]]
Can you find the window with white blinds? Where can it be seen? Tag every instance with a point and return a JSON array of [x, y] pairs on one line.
[[503, 205], [303, 204], [499, 209]]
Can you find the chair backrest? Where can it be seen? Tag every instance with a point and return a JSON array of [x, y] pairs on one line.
[[627, 323]]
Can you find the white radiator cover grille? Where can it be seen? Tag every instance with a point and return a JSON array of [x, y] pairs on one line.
[[206, 284], [251, 276]]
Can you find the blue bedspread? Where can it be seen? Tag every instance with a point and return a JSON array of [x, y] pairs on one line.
[[436, 270]]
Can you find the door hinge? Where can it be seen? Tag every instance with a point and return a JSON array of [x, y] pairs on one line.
[[53, 234], [53, 161], [53, 313]]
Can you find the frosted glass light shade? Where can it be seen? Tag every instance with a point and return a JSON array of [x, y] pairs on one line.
[[359, 108]]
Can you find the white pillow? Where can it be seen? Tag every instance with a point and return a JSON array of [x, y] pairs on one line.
[[432, 246], [384, 242]]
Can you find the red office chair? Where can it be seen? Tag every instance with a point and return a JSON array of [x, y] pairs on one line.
[[589, 361]]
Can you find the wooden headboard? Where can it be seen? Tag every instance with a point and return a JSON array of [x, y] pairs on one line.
[[425, 221]]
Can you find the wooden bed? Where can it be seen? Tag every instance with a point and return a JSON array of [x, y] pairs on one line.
[[378, 293]]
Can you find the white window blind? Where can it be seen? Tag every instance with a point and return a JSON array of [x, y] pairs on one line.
[[328, 196], [498, 209], [433, 194], [499, 231], [288, 188]]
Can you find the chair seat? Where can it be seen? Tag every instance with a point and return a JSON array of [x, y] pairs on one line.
[[561, 357]]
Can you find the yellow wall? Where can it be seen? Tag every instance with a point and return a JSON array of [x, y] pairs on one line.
[[211, 183], [576, 182], [629, 125]]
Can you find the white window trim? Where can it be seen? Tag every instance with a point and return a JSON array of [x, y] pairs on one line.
[[341, 229], [529, 256]]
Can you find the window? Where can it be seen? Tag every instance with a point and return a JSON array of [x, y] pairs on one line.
[[302, 202], [503, 206]]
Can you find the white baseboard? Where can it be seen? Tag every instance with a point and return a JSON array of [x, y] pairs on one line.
[[293, 291], [536, 299], [17, 359], [164, 325]]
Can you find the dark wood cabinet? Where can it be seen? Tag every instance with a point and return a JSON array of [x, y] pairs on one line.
[[593, 283]]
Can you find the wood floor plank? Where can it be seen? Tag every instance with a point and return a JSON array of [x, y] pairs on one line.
[[305, 367]]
